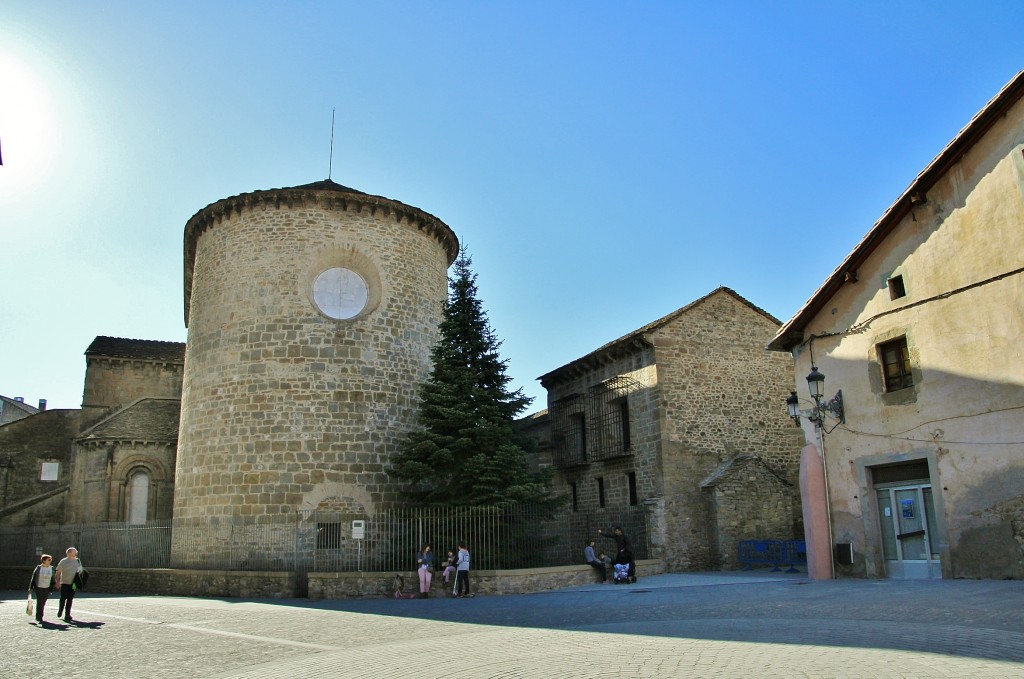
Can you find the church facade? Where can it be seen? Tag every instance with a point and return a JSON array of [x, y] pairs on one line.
[[112, 460]]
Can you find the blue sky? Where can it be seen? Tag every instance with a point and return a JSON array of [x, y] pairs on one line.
[[605, 163]]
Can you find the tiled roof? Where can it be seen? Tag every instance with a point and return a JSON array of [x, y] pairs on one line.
[[638, 335], [214, 212], [19, 405], [735, 466], [150, 350], [148, 419], [327, 185], [792, 333]]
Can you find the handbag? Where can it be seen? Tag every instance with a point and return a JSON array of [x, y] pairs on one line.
[[29, 608]]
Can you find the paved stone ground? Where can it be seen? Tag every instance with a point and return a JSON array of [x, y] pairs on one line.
[[675, 625]]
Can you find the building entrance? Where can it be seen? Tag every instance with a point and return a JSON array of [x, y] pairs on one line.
[[909, 542]]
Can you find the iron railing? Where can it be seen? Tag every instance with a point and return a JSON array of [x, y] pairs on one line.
[[506, 537]]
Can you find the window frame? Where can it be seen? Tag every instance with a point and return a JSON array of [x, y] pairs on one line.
[[904, 375], [897, 287], [329, 534]]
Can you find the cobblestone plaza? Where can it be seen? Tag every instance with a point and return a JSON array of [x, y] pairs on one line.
[[675, 625]]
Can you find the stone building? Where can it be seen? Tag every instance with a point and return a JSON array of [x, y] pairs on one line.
[[649, 420], [13, 409], [113, 460], [920, 329], [312, 312]]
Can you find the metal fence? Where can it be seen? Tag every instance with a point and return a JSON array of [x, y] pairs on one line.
[[105, 545], [509, 537]]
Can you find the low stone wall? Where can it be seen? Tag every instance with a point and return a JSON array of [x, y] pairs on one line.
[[174, 582], [281, 585], [521, 581]]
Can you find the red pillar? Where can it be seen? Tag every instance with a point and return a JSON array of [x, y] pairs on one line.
[[814, 500]]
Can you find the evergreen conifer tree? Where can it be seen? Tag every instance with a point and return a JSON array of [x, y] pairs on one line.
[[468, 451]]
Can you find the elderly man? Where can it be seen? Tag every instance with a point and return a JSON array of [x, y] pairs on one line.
[[65, 574]]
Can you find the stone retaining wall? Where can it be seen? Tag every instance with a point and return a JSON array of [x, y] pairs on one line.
[[521, 581], [174, 582], [281, 585]]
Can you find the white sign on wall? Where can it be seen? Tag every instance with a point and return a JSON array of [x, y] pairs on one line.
[[50, 471]]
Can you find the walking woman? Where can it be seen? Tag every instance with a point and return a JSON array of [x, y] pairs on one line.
[[425, 570], [67, 569], [41, 583]]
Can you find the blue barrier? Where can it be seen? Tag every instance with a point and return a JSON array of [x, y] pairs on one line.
[[775, 553]]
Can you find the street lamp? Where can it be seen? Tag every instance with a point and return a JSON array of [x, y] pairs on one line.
[[816, 387], [816, 414]]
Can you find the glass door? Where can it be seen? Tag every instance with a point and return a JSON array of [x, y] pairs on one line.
[[907, 514]]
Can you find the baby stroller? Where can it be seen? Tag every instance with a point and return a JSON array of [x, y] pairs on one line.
[[621, 573]]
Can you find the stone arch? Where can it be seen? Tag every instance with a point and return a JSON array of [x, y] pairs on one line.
[[129, 463], [346, 257], [333, 496], [126, 487]]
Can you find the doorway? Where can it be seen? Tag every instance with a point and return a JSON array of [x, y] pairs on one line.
[[906, 513]]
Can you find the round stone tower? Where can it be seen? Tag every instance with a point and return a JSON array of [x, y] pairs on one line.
[[311, 314]]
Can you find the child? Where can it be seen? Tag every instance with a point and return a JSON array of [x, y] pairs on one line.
[[399, 586], [462, 573], [449, 567]]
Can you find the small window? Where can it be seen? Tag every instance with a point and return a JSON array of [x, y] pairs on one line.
[[328, 536], [575, 497], [600, 491], [624, 424], [631, 480], [895, 359], [579, 426], [896, 288], [50, 471]]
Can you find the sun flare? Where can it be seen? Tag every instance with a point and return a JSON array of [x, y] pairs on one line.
[[29, 129]]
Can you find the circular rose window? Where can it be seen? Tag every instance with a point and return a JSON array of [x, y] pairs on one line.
[[340, 293]]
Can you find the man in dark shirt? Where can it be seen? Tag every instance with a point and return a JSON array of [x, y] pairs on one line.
[[623, 549]]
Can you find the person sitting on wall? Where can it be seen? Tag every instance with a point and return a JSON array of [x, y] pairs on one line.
[[597, 564]]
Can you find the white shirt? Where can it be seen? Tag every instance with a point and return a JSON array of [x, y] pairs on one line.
[[44, 576]]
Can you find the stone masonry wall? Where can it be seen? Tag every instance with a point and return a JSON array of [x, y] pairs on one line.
[[752, 504], [643, 460], [101, 473], [282, 585], [24, 446], [722, 395], [283, 408], [114, 382]]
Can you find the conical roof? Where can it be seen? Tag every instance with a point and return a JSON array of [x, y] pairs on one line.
[[325, 192]]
